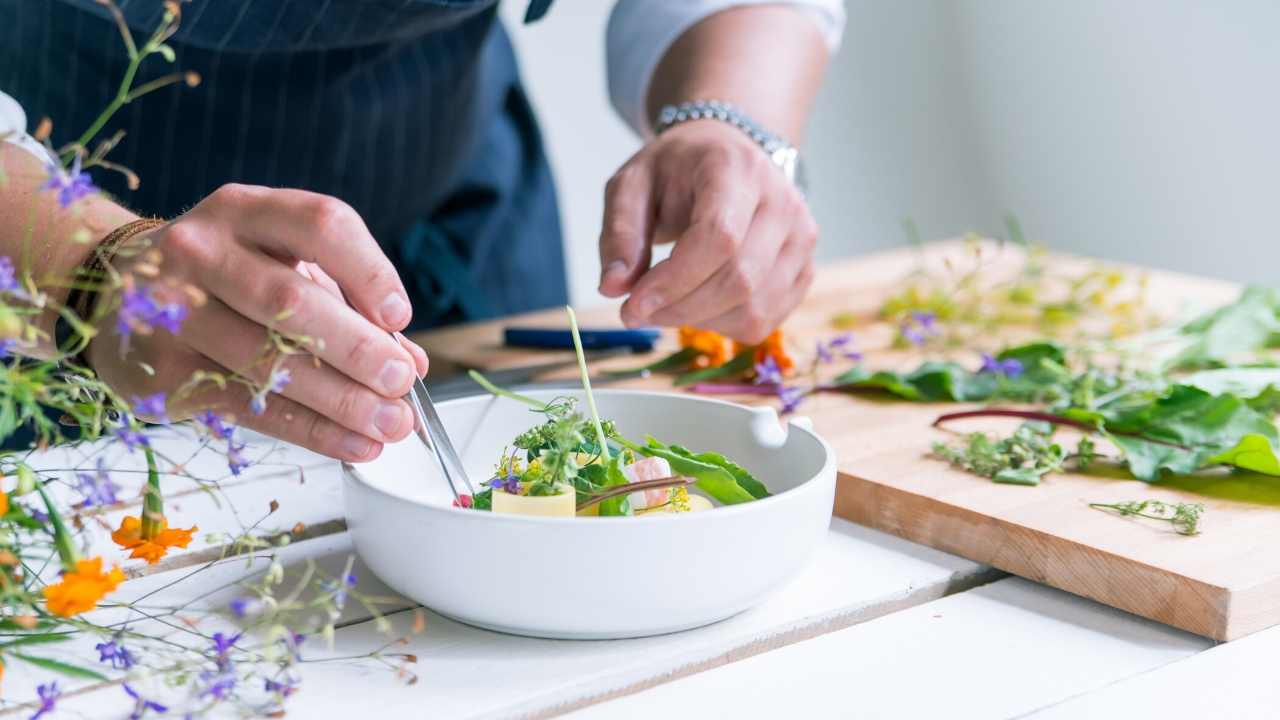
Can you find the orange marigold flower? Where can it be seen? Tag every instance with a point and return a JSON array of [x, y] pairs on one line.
[[772, 346], [129, 536], [80, 590], [4, 503], [712, 347]]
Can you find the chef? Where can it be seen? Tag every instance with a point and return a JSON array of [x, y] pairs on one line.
[[346, 169]]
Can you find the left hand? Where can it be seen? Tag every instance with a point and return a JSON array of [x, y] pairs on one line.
[[744, 238]]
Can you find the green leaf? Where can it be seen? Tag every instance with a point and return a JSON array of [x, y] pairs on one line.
[[740, 363], [482, 500], [675, 361], [1149, 460], [714, 480], [1245, 326], [739, 473], [931, 382], [1243, 382], [38, 639], [1020, 476], [58, 666], [621, 504], [1252, 452]]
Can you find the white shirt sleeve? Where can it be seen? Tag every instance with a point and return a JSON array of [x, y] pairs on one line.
[[13, 128], [641, 31]]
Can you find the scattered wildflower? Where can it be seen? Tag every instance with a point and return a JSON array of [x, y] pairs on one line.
[[279, 378], [284, 688], [215, 424], [509, 484], [142, 705], [98, 489], [711, 346], [116, 654], [71, 185], [1010, 368], [768, 372], [9, 283], [131, 438], [772, 347], [140, 312], [245, 606], [222, 645], [236, 461], [921, 326], [48, 694], [4, 502], [791, 398], [6, 347], [339, 590], [839, 345], [80, 590], [129, 537], [151, 405], [218, 683]]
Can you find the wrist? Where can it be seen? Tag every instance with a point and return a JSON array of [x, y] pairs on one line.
[[780, 152]]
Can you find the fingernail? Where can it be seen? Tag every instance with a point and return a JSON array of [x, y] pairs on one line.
[[615, 267], [356, 446], [395, 311], [388, 418], [395, 375]]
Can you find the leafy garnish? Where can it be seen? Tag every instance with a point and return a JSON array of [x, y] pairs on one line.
[[738, 365], [714, 480], [1184, 517], [1020, 459]]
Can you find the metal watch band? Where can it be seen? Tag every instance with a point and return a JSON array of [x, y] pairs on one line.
[[782, 153]]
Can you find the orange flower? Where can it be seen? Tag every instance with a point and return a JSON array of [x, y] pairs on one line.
[[4, 502], [129, 536], [771, 347], [712, 347], [80, 590]]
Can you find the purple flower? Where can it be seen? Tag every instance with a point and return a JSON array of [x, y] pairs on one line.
[[219, 683], [170, 316], [791, 398], [1010, 368], [293, 643], [258, 403], [284, 688], [925, 320], [39, 516], [152, 405], [222, 646], [245, 606], [71, 186], [142, 705], [919, 327], [216, 426], [236, 461], [509, 484], [139, 311], [841, 344], [340, 590], [131, 438], [98, 489], [8, 276], [768, 372], [49, 694], [279, 378], [116, 654], [6, 347]]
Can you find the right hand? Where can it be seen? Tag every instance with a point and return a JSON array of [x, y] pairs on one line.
[[284, 258]]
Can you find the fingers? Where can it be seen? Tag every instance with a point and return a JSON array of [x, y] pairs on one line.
[[234, 342], [300, 225], [751, 321], [419, 355], [624, 237], [273, 295], [741, 277]]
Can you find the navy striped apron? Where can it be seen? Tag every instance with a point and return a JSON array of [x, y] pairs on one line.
[[412, 111]]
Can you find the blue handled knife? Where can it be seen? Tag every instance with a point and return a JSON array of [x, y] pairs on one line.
[[637, 340]]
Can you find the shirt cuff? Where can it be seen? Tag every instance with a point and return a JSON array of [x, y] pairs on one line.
[[641, 31], [13, 128]]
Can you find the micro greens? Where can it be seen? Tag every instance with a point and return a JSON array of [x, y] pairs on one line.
[[1184, 517]]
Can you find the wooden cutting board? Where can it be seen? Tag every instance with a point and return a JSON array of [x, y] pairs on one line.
[[1223, 583]]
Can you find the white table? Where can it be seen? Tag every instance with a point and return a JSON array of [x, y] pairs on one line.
[[876, 627]]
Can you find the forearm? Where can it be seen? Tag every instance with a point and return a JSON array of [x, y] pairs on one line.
[[44, 240], [767, 60]]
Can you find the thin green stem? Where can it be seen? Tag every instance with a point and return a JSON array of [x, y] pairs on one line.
[[153, 501], [61, 537], [484, 382], [586, 385]]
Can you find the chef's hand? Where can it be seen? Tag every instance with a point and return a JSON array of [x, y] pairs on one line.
[[744, 238], [280, 258]]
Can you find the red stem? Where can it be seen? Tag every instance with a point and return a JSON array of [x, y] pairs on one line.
[[629, 488], [1045, 417]]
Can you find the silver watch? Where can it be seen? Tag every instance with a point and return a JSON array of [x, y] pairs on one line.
[[782, 153]]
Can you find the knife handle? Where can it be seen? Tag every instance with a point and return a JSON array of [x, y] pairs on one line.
[[638, 340]]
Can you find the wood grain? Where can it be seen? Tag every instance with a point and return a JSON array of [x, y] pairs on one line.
[[1223, 583]]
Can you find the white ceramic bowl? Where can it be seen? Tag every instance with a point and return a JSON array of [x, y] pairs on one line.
[[592, 577]]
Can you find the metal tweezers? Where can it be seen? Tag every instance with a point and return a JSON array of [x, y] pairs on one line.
[[431, 432]]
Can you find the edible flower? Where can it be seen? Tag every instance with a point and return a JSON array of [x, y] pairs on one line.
[[80, 590], [1010, 368], [711, 346], [283, 688], [839, 345], [771, 347], [141, 705], [140, 312], [921, 326], [768, 372], [131, 438], [130, 536], [98, 489], [113, 652], [4, 503], [48, 694], [151, 405], [71, 185], [215, 424]]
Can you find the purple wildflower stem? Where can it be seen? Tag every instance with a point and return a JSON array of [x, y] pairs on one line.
[[1046, 417]]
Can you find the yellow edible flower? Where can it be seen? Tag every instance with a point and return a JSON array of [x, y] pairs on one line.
[[130, 537], [80, 590]]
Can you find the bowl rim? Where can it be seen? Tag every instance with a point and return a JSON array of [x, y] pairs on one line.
[[828, 466]]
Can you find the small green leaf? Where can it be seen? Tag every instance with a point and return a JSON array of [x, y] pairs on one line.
[[1252, 452], [739, 365], [58, 666], [1019, 476], [38, 639]]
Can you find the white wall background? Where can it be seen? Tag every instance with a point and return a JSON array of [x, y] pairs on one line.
[[1144, 130]]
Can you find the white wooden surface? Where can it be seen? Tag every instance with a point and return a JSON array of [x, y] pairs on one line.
[[997, 651], [876, 627]]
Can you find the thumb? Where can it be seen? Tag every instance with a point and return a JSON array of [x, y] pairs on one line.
[[624, 238]]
